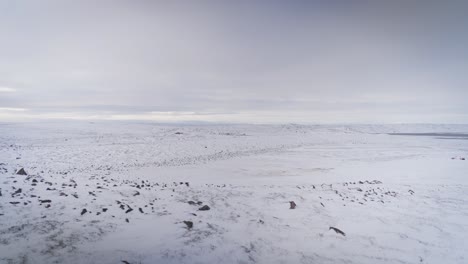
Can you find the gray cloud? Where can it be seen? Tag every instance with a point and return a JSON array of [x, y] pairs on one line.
[[396, 61]]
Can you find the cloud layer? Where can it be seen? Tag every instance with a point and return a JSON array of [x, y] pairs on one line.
[[240, 61]]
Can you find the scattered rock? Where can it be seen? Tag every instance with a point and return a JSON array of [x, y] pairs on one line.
[[141, 210], [338, 231], [189, 224], [84, 211], [104, 210], [292, 205], [21, 172], [17, 192], [126, 220], [204, 208], [129, 210], [14, 202], [45, 201]]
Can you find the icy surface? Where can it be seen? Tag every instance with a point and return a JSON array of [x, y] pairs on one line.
[[113, 192]]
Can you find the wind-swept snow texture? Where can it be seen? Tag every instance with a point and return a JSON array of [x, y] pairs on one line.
[[114, 192]]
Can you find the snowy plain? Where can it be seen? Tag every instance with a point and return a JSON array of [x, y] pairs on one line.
[[119, 192]]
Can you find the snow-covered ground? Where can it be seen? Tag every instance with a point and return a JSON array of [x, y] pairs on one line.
[[115, 192]]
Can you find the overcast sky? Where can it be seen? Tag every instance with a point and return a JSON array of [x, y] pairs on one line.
[[235, 61]]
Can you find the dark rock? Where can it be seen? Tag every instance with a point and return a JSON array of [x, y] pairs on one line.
[[338, 231], [104, 210], [34, 180], [84, 211], [189, 224], [292, 205], [204, 208], [191, 202], [126, 220], [129, 210], [21, 172], [14, 202], [141, 210], [45, 201], [17, 192], [136, 193]]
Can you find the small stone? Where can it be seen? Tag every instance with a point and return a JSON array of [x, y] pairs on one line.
[[292, 205], [189, 224], [21, 172], [17, 191], [84, 211], [338, 231], [204, 208]]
